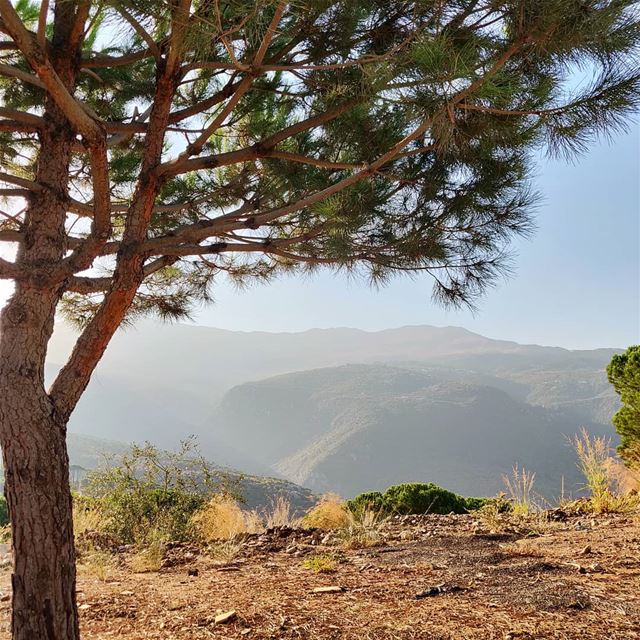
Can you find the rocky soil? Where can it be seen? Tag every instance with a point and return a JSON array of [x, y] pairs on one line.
[[430, 578]]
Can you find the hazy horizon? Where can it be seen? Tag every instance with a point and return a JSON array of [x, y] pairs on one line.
[[576, 281]]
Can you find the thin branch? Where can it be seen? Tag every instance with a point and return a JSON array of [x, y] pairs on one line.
[[14, 72], [42, 24], [141, 31]]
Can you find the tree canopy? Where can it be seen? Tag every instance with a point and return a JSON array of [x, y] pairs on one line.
[[256, 137], [624, 374]]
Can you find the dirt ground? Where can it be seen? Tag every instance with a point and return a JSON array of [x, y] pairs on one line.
[[432, 578]]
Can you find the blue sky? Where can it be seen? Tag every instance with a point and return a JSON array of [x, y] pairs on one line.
[[576, 282]]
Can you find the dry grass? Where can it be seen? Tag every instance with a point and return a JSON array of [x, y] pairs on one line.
[[5, 534], [520, 490], [280, 514], [364, 529], [223, 519], [149, 560], [498, 516], [624, 479], [603, 475], [98, 564], [329, 514], [227, 551], [522, 548], [87, 518]]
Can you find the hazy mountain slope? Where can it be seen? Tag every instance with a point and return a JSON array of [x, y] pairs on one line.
[[361, 427], [163, 381]]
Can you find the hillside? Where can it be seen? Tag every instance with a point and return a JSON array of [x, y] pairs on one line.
[[312, 420], [161, 382], [359, 427]]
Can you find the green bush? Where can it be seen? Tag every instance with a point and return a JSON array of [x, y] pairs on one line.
[[4, 512], [150, 514], [149, 496], [415, 498], [473, 504], [371, 501]]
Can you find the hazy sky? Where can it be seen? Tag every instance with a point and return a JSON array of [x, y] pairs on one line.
[[576, 284]]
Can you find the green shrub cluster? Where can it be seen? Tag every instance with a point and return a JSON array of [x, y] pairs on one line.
[[414, 498], [150, 496], [4, 512]]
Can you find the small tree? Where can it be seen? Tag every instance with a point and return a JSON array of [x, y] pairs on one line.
[[624, 374], [148, 146]]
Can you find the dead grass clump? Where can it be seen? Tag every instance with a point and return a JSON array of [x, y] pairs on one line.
[[97, 563], [149, 560], [522, 548], [87, 516], [223, 519], [5, 534], [329, 514], [498, 516], [364, 529], [227, 551], [520, 489], [625, 480], [602, 475], [280, 514]]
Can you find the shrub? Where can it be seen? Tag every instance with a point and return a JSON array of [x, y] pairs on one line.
[[475, 504], [417, 498], [150, 495], [4, 512], [221, 518], [330, 513], [371, 500], [414, 498]]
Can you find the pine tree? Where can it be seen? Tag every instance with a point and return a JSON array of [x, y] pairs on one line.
[[624, 374], [149, 146]]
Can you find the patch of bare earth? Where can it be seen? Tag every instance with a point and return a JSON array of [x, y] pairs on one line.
[[433, 578]]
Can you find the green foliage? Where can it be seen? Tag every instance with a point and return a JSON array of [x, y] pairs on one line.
[[370, 500], [4, 512], [624, 374], [443, 104], [414, 498], [151, 495]]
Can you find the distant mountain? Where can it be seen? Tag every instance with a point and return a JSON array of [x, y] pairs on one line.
[[161, 382], [364, 427], [436, 385]]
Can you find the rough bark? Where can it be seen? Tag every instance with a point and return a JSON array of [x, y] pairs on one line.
[[32, 433], [37, 490]]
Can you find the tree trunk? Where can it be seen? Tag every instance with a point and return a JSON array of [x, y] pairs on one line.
[[36, 464], [37, 490]]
